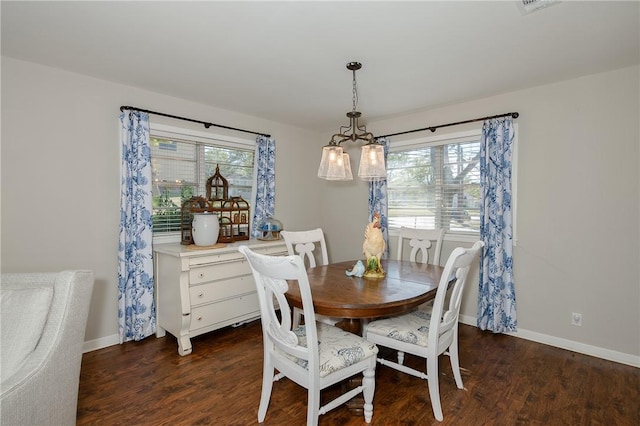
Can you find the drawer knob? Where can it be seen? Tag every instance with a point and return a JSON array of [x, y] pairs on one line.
[[201, 274], [199, 318], [201, 294]]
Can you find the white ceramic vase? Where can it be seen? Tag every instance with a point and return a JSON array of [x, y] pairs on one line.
[[205, 229]]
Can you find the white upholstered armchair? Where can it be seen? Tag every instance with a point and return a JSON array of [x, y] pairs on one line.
[[43, 321]]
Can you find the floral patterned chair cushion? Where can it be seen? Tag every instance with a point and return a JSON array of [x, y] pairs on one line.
[[411, 328], [338, 348]]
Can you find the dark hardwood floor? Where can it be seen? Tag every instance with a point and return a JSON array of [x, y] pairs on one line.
[[508, 381]]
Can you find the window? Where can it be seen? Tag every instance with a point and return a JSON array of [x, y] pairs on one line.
[[183, 160], [435, 183]]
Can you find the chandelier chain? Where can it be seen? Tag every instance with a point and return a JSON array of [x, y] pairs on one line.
[[355, 91]]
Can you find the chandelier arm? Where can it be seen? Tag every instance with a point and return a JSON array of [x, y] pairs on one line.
[[342, 138], [362, 128], [367, 137], [345, 129]]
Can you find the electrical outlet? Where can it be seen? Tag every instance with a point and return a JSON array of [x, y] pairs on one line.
[[576, 319]]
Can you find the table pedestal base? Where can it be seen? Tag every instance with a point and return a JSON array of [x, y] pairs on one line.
[[352, 325], [355, 404]]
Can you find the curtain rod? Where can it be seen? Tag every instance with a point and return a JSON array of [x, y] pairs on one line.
[[204, 123], [433, 128]]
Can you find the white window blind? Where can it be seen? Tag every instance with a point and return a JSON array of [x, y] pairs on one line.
[[435, 184]]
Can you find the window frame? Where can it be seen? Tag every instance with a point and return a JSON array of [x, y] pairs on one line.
[[180, 133], [456, 137]]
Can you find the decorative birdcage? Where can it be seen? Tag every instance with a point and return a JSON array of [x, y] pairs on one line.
[[217, 186], [226, 231], [189, 207], [234, 218]]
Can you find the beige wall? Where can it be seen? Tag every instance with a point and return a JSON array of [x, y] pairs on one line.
[[60, 173], [578, 208], [578, 192]]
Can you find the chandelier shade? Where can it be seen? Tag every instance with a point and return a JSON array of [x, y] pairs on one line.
[[372, 162], [332, 164], [346, 161], [336, 164]]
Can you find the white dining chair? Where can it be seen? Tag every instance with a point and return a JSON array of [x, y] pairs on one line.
[[314, 355], [420, 241], [429, 332], [309, 245]]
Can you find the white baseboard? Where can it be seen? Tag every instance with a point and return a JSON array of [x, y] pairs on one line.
[[570, 345], [103, 342]]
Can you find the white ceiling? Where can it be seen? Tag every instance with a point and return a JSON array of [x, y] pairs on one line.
[[285, 61]]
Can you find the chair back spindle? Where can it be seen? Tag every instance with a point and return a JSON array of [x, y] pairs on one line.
[[420, 241]]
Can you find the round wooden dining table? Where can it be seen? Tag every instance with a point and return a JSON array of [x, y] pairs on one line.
[[405, 286]]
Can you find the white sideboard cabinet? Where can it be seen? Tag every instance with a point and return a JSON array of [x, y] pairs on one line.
[[198, 291]]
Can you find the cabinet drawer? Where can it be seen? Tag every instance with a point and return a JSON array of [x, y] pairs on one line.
[[219, 271], [219, 290], [207, 315], [272, 251]]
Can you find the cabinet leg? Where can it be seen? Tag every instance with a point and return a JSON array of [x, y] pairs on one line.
[[184, 345]]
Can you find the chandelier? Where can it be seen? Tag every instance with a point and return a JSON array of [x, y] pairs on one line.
[[335, 163]]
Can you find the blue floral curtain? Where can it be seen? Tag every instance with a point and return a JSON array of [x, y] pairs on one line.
[[136, 308], [378, 201], [496, 295], [265, 200]]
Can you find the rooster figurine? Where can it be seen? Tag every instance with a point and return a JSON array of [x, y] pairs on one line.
[[373, 248]]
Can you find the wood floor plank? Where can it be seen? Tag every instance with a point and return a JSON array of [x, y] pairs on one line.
[[508, 381]]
